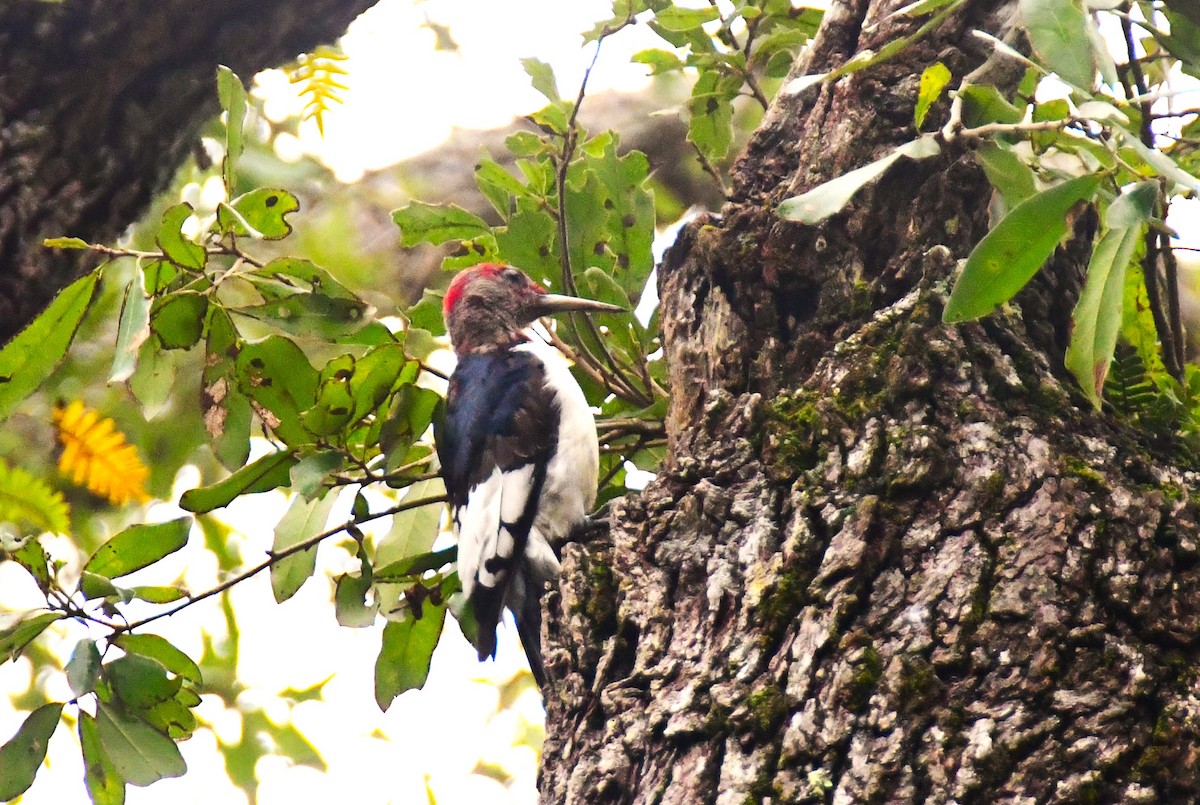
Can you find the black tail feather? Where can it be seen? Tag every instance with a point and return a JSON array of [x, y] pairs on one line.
[[529, 628]]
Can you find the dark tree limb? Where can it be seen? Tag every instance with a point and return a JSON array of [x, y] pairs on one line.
[[100, 102]]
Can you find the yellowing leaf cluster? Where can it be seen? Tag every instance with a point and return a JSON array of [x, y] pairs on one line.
[[95, 455]]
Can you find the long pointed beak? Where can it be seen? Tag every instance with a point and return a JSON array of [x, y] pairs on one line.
[[557, 303]]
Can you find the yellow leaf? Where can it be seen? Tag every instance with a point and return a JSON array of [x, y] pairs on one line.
[[95, 455]]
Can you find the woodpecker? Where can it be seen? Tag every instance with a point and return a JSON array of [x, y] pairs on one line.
[[517, 447]]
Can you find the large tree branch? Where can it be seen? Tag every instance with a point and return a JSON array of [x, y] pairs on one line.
[[100, 102]]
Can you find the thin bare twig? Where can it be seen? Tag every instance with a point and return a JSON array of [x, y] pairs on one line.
[[274, 557]]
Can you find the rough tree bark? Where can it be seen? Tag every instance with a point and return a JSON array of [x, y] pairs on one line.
[[100, 101], [887, 560]]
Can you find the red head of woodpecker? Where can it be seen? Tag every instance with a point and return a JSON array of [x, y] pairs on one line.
[[517, 447]]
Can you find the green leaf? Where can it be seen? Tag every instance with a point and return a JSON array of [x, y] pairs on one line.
[[141, 754], [311, 471], [178, 249], [158, 275], [173, 717], [311, 314], [232, 94], [416, 564], [36, 351], [542, 77], [104, 783], [710, 126], [1132, 208], [412, 411], [1058, 32], [350, 596], [413, 530], [1162, 164], [403, 662], [32, 556], [178, 318], [17, 636], [303, 519], [1096, 320], [1008, 256], [140, 682], [933, 80], [814, 206], [94, 587], [660, 61], [157, 594], [21, 757], [83, 667], [261, 213], [153, 381], [160, 649], [137, 547], [268, 472], [276, 374], [375, 374], [525, 144], [983, 104], [674, 18], [427, 313], [65, 243], [498, 185], [132, 330], [227, 415], [1011, 177], [303, 275], [528, 241], [430, 223]]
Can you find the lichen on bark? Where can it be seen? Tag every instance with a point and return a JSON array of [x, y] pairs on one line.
[[887, 560]]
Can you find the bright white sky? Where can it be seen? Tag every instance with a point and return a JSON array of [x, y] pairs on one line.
[[405, 96]]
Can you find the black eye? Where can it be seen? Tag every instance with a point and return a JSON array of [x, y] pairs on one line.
[[512, 275]]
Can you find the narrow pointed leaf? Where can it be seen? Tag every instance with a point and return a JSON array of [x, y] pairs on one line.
[[137, 547], [814, 206], [132, 331], [21, 757], [266, 473], [17, 636], [36, 351], [1096, 320], [232, 94], [104, 783], [1008, 256]]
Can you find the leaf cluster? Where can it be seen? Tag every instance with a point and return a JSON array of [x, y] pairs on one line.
[[1102, 143]]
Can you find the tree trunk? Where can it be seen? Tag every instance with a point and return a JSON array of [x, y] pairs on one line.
[[887, 560], [100, 101]]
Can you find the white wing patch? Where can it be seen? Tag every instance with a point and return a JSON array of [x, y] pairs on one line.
[[476, 523], [483, 526]]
